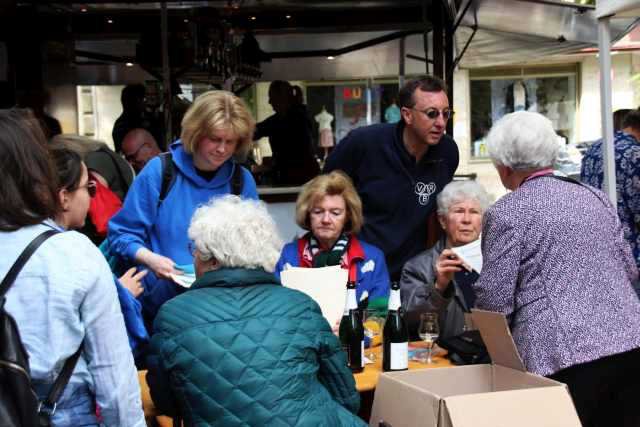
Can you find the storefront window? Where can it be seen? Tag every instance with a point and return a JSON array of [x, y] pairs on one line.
[[553, 96]]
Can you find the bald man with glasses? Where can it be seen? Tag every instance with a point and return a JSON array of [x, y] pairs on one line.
[[399, 169], [138, 147]]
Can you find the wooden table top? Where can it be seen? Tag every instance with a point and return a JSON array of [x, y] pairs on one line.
[[368, 379], [365, 380]]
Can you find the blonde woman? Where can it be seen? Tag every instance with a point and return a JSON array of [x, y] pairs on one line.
[[153, 232]]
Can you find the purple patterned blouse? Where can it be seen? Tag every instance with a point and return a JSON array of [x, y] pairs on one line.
[[557, 264]]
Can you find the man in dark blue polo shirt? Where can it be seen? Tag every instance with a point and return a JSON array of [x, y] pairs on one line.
[[398, 169]]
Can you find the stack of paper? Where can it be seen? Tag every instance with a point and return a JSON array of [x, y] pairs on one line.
[[326, 285], [471, 254]]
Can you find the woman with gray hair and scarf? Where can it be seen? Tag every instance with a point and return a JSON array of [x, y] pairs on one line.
[[435, 279], [241, 349], [556, 263]]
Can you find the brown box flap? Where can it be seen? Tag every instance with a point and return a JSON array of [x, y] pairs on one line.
[[548, 407], [497, 337]]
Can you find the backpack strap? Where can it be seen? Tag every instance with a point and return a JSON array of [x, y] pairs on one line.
[[22, 260], [168, 176], [237, 180], [61, 382]]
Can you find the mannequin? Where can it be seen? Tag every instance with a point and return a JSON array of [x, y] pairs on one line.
[[392, 113], [324, 120]]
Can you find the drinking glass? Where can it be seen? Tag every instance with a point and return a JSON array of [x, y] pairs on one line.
[[428, 332], [373, 325]]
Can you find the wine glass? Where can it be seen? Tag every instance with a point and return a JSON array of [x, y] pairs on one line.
[[428, 332], [373, 325]]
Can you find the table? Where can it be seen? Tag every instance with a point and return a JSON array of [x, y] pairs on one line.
[[368, 379]]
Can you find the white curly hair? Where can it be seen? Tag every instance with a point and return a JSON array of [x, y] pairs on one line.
[[523, 141], [236, 232]]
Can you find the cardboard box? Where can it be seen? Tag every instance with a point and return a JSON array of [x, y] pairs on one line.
[[502, 394]]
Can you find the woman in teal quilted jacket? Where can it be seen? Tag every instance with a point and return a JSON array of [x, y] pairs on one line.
[[239, 349]]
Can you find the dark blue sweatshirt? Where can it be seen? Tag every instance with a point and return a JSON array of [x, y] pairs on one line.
[[397, 193]]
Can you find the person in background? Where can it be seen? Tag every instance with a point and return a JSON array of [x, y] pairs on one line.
[[238, 348], [436, 280], [399, 169], [108, 167], [329, 207], [138, 147], [133, 116], [618, 118], [153, 233], [36, 100], [70, 170], [64, 298], [627, 160], [290, 137], [556, 263]]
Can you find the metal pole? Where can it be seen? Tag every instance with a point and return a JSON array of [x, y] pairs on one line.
[[401, 62], [425, 33], [166, 73], [608, 157], [437, 38]]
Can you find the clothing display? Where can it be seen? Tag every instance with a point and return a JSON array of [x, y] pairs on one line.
[[324, 120], [239, 349], [392, 114], [397, 193], [163, 230], [372, 275]]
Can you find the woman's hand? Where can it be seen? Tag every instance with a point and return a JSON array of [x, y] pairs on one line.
[[162, 266], [447, 265], [133, 281]]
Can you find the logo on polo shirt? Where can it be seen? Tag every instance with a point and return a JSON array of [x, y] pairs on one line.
[[424, 191]]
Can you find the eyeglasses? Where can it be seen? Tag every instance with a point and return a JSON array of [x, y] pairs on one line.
[[433, 113], [131, 157], [91, 188]]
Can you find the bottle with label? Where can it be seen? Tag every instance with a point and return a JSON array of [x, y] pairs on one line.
[[395, 337], [351, 331]]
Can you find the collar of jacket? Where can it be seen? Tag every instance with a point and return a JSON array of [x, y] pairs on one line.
[[234, 277]]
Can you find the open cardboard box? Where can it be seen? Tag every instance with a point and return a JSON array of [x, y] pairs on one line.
[[502, 394]]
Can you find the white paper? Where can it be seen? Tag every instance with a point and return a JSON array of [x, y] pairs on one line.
[[326, 285], [184, 280], [471, 254]]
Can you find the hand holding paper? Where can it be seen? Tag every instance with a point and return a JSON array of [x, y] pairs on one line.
[[471, 254]]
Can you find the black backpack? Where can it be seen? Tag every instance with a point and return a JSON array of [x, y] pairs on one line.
[[19, 404]]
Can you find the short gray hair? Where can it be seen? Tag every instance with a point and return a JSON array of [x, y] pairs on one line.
[[523, 141], [236, 232], [460, 191]]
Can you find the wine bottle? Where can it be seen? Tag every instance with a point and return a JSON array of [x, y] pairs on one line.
[[395, 338], [351, 331]]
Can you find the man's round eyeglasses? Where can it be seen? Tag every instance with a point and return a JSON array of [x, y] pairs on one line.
[[433, 113]]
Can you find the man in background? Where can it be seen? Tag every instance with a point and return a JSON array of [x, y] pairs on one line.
[[138, 147]]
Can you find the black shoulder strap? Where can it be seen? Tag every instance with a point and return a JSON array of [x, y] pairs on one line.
[[22, 260], [237, 180], [168, 176], [62, 380]]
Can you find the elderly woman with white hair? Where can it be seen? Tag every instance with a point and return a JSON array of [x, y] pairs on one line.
[[557, 265], [435, 280], [239, 348]]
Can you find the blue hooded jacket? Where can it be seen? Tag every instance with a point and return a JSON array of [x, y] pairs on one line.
[[163, 229]]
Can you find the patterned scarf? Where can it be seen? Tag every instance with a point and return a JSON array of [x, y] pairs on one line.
[[332, 256]]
